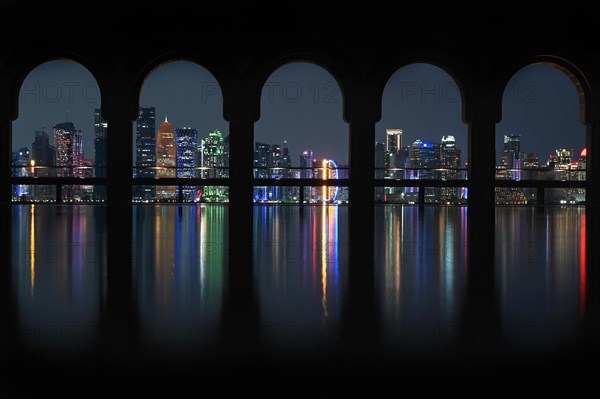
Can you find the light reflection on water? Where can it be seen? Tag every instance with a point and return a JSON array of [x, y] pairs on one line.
[[58, 258], [540, 274], [301, 254], [421, 269], [180, 260], [301, 261]]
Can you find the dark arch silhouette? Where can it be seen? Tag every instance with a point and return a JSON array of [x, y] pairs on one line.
[[23, 70], [218, 70], [570, 69]]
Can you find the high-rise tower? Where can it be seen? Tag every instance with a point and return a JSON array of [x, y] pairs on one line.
[[145, 152], [393, 147], [186, 139], [214, 162], [68, 144], [166, 159], [100, 131], [511, 155]]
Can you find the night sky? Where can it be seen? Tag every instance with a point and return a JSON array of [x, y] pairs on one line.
[[302, 103]]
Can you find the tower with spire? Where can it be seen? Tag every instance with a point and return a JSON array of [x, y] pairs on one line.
[[166, 159]]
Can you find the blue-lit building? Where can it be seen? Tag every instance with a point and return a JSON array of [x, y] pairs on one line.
[[262, 161], [21, 160], [272, 161], [186, 141], [423, 155]]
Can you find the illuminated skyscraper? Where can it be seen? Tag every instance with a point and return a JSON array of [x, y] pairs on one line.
[[21, 158], [511, 150], [214, 162], [581, 166], [380, 159], [21, 168], [145, 153], [186, 139], [511, 155], [276, 159], [393, 142], [564, 156], [450, 162], [68, 144], [200, 157], [275, 192], [530, 160], [225, 172], [449, 157], [306, 162], [213, 154], [42, 153], [306, 159], [262, 160], [272, 161], [393, 147], [166, 160], [424, 155], [286, 161], [100, 130]]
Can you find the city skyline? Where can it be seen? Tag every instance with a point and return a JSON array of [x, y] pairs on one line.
[[146, 123], [303, 100], [145, 126]]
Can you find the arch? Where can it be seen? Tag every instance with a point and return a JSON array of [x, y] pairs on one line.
[[421, 135], [192, 142], [158, 66], [528, 95], [570, 69], [336, 66], [70, 89], [220, 71], [321, 94], [543, 129], [455, 65], [302, 122], [76, 147], [389, 76], [21, 67]]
